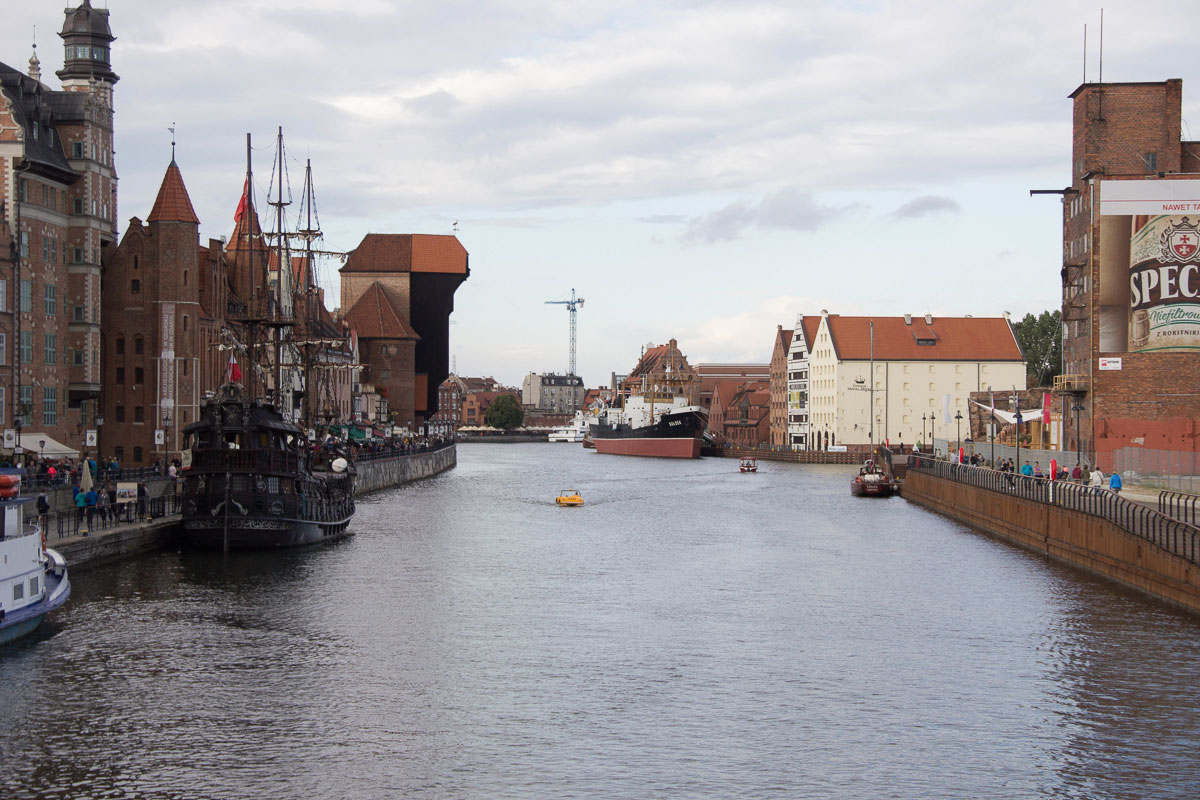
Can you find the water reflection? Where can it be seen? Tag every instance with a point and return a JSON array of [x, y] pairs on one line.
[[691, 631]]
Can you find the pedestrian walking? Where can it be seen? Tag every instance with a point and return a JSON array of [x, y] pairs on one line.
[[1097, 481], [1114, 482], [1077, 473], [43, 510]]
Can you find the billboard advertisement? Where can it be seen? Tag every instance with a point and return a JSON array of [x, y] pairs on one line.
[[1149, 280]]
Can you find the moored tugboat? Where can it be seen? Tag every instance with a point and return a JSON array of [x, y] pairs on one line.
[[251, 481]]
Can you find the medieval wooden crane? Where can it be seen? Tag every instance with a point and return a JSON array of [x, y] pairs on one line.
[[572, 306]]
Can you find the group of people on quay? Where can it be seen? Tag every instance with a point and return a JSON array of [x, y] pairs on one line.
[[1083, 475], [395, 446]]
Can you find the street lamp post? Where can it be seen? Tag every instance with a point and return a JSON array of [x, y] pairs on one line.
[[1077, 407], [924, 440], [1018, 439], [932, 432], [42, 453], [958, 431], [993, 426]]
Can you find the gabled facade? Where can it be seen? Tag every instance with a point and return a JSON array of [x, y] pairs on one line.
[[58, 200], [780, 349], [799, 435], [923, 367]]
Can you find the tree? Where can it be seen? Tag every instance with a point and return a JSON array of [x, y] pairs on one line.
[[1041, 341], [505, 412]]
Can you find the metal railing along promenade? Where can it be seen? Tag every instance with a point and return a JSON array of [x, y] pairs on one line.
[[1172, 535], [1180, 505], [63, 524], [384, 451]]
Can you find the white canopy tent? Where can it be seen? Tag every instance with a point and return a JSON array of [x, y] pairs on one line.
[[1010, 416], [32, 443]]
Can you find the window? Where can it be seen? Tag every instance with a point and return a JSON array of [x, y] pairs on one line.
[[77, 358], [49, 405], [23, 192], [26, 296], [139, 376], [120, 375], [4, 294], [185, 366], [139, 346], [3, 349], [120, 453], [185, 277], [135, 286], [51, 347], [1151, 160], [120, 413], [76, 206], [3, 403], [185, 322], [137, 455], [33, 586], [139, 413], [45, 239], [77, 152], [18, 591], [79, 314], [51, 300], [77, 255], [26, 347]]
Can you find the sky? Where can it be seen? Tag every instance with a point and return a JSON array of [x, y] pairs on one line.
[[702, 171]]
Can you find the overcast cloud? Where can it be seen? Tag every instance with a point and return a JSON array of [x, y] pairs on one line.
[[764, 133]]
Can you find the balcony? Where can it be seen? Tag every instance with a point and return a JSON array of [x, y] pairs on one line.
[[1071, 384]]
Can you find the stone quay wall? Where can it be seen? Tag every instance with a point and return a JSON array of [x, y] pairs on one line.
[[389, 472], [1072, 537]]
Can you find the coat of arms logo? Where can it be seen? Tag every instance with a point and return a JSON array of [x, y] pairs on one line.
[[1180, 242]]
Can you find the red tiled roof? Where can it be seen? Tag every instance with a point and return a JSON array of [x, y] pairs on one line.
[[408, 252], [173, 203], [374, 317], [953, 339]]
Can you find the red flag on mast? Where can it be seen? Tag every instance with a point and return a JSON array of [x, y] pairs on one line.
[[241, 209], [233, 373]]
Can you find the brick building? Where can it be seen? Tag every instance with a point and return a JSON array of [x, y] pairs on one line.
[[740, 413], [163, 310], [778, 419], [397, 292], [58, 198], [550, 393], [1131, 275]]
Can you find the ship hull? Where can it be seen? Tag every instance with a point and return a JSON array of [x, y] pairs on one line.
[[264, 534], [675, 435], [654, 448]]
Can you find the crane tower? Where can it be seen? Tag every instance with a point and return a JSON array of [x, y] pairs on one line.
[[572, 305]]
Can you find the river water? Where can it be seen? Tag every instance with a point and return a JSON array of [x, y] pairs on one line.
[[691, 632]]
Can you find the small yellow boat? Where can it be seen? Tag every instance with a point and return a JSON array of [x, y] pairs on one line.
[[568, 497]]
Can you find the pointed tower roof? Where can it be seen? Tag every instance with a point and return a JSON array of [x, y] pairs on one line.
[[374, 316], [173, 203]]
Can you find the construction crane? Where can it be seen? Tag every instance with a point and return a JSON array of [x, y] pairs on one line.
[[572, 306]]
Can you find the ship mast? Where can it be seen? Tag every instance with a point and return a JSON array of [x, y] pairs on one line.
[[871, 402], [277, 308]]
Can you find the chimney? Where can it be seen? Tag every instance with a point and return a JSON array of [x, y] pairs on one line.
[[929, 319], [908, 319]]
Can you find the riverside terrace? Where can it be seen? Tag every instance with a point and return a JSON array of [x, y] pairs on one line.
[[1092, 528]]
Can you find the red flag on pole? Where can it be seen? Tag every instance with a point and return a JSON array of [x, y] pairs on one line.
[[241, 209], [232, 372]]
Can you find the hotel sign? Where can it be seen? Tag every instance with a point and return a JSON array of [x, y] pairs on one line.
[[1110, 363]]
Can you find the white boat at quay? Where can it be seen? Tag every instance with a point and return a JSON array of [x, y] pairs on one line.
[[33, 578], [573, 433]]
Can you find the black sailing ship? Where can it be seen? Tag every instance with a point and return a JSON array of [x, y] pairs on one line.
[[251, 477]]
